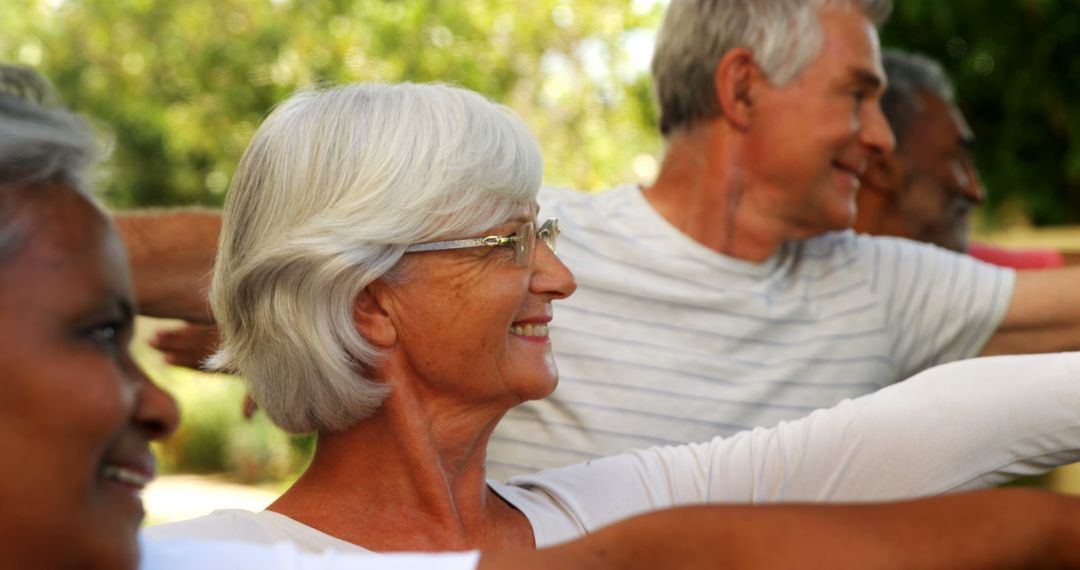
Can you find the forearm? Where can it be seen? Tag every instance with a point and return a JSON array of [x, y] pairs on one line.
[[962, 426], [988, 529], [172, 253]]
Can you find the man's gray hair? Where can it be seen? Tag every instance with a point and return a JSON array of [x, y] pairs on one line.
[[910, 76], [39, 142], [333, 187], [784, 36]]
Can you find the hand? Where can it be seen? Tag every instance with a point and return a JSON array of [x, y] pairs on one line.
[[189, 345]]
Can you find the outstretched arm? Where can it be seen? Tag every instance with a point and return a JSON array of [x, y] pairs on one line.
[[172, 253], [1044, 315], [988, 529], [958, 427]]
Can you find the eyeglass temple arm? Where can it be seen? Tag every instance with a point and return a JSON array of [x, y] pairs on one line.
[[460, 243]]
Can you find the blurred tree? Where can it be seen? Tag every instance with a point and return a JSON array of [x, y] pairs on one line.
[[178, 86], [1017, 77]]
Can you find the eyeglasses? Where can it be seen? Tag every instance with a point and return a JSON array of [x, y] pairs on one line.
[[521, 240]]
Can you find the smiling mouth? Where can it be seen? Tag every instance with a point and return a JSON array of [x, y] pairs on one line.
[[855, 171], [537, 330], [127, 476]]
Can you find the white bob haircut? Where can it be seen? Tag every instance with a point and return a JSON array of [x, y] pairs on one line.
[[335, 184], [784, 35]]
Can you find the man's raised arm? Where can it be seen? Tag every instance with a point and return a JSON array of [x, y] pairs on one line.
[[172, 253]]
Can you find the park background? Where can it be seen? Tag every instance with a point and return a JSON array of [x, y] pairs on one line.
[[175, 89]]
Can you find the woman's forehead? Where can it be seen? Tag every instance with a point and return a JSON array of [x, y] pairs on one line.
[[53, 206], [59, 226]]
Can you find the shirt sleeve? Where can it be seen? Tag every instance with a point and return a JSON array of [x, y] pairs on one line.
[[960, 426], [939, 306], [195, 554]]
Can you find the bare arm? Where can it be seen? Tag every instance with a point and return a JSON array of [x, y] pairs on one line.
[[1011, 528], [1044, 315], [172, 253], [188, 344]]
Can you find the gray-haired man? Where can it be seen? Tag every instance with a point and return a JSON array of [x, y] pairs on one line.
[[730, 293]]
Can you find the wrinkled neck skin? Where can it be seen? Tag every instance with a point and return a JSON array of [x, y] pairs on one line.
[[409, 478], [702, 190]]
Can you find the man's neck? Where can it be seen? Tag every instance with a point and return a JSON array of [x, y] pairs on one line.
[[875, 206], [704, 192]]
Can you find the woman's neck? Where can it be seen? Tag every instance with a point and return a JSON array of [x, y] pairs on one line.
[[406, 478]]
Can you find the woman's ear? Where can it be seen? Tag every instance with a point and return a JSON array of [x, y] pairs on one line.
[[371, 317], [734, 79]]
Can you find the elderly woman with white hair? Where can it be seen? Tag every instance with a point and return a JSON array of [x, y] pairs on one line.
[[382, 280]]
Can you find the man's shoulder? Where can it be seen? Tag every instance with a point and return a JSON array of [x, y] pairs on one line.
[[849, 243], [560, 200]]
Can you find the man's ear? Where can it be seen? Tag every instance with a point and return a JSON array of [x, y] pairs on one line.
[[733, 80], [371, 317]]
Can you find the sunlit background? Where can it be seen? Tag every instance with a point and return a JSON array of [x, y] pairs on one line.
[[175, 89]]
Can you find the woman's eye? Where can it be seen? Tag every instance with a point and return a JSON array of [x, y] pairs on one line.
[[105, 336]]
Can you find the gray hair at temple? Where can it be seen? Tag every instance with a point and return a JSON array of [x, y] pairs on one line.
[[39, 143], [910, 76], [784, 35], [333, 188]]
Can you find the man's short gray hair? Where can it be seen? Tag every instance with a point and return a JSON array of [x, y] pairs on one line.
[[39, 143], [784, 35], [910, 75], [333, 187]]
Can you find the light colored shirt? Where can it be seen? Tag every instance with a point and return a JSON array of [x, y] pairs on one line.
[[667, 341], [193, 554]]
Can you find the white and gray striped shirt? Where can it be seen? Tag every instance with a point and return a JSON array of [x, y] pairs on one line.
[[667, 341]]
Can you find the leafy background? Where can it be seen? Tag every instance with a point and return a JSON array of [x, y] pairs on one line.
[[1016, 68], [176, 87]]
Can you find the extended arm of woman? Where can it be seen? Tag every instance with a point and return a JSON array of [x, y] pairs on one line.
[[962, 426]]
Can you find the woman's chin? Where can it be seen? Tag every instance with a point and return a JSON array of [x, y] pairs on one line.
[[540, 388]]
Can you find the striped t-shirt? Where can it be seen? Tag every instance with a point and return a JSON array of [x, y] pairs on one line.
[[667, 341]]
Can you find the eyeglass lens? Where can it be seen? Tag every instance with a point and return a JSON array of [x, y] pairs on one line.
[[549, 232], [524, 244], [525, 239]]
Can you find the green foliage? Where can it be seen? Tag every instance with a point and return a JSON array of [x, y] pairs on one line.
[[178, 86], [214, 437], [1017, 79]]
